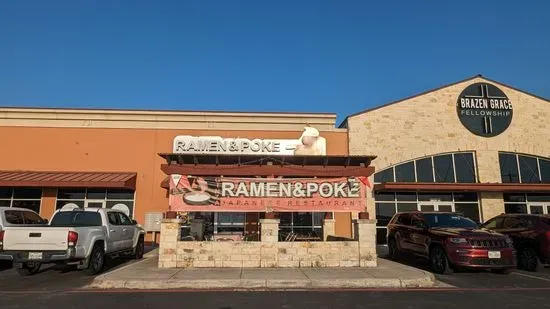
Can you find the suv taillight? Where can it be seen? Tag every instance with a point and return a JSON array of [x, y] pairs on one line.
[[72, 238], [1, 240]]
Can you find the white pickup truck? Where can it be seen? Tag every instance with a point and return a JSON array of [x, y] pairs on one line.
[[82, 236]]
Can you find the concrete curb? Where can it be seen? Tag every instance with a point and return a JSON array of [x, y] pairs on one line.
[[245, 284]]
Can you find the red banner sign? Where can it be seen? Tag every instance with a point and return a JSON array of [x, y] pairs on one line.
[[188, 193]]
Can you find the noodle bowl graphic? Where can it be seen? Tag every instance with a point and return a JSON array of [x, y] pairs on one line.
[[196, 198], [198, 192]]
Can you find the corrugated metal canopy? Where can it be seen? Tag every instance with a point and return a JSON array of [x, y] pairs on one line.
[[125, 180]]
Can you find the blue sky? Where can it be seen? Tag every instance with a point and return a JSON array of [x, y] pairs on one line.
[[301, 55]]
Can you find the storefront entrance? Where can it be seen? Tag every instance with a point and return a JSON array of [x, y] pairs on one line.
[[436, 206]]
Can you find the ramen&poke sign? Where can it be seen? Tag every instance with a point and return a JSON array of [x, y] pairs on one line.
[[348, 189]]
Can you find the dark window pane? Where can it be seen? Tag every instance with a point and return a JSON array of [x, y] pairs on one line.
[[469, 210], [404, 172], [515, 208], [121, 194], [32, 205], [384, 213], [427, 207], [27, 193], [32, 218], [508, 168], [544, 170], [96, 194], [14, 216], [114, 219], [384, 196], [406, 207], [406, 196], [517, 222], [536, 209], [5, 192], [529, 169], [443, 166], [465, 197], [5, 203], [69, 204], [74, 194], [445, 197], [464, 167], [302, 218], [404, 219], [124, 220], [514, 197], [285, 219], [384, 176], [76, 218], [494, 224], [126, 207], [381, 236], [538, 197], [424, 170], [445, 208]]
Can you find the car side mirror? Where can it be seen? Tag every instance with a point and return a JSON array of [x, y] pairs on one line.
[[45, 221], [134, 222]]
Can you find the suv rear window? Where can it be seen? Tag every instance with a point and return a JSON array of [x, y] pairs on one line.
[[76, 219]]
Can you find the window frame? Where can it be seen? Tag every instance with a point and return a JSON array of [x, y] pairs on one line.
[[13, 199], [106, 200]]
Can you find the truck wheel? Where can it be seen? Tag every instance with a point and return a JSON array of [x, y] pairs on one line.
[[140, 248], [438, 261], [393, 251], [29, 269], [97, 260]]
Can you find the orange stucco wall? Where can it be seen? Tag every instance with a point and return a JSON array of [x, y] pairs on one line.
[[120, 150]]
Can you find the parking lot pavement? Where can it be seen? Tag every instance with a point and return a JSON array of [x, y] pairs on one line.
[[54, 278]]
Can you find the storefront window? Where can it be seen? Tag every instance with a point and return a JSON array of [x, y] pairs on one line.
[[29, 198], [302, 223], [439, 168], [516, 168], [443, 168], [119, 199], [532, 203]]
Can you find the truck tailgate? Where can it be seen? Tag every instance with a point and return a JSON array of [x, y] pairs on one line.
[[35, 238]]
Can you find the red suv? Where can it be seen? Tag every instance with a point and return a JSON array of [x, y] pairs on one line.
[[531, 236], [450, 241]]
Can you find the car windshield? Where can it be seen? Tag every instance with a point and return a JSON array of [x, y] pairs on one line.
[[76, 218], [449, 220]]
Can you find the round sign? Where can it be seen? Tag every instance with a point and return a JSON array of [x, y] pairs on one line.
[[484, 109]]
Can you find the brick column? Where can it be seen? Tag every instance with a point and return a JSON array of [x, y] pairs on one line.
[[365, 234], [269, 230], [328, 228], [170, 233]]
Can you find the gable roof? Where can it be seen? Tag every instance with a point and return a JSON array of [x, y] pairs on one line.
[[344, 123]]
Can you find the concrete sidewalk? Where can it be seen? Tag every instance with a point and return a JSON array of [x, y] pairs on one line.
[[146, 275]]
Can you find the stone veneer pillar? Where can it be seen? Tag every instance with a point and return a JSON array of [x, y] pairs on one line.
[[365, 234], [170, 233], [269, 230], [328, 228]]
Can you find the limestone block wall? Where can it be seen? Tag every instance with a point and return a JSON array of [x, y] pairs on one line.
[[428, 124], [268, 253]]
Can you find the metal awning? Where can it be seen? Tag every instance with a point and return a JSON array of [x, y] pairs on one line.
[[266, 165], [123, 180]]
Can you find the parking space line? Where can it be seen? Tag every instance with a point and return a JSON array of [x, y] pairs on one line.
[[531, 276]]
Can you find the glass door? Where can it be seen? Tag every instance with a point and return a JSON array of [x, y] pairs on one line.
[[95, 204], [538, 208], [435, 206]]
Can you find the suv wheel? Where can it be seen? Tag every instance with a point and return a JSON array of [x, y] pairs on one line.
[[97, 260], [438, 261], [527, 259], [393, 251], [29, 269]]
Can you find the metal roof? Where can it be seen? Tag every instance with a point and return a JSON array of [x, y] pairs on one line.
[[68, 179]]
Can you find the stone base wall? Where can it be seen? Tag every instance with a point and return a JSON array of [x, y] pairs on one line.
[[268, 252], [263, 254]]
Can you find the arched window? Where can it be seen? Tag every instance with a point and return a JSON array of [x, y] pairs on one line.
[[522, 168], [454, 167]]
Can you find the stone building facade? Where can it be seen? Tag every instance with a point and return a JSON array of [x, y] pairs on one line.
[[431, 124]]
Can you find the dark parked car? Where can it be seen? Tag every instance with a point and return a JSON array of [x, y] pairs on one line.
[[450, 241], [531, 236]]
